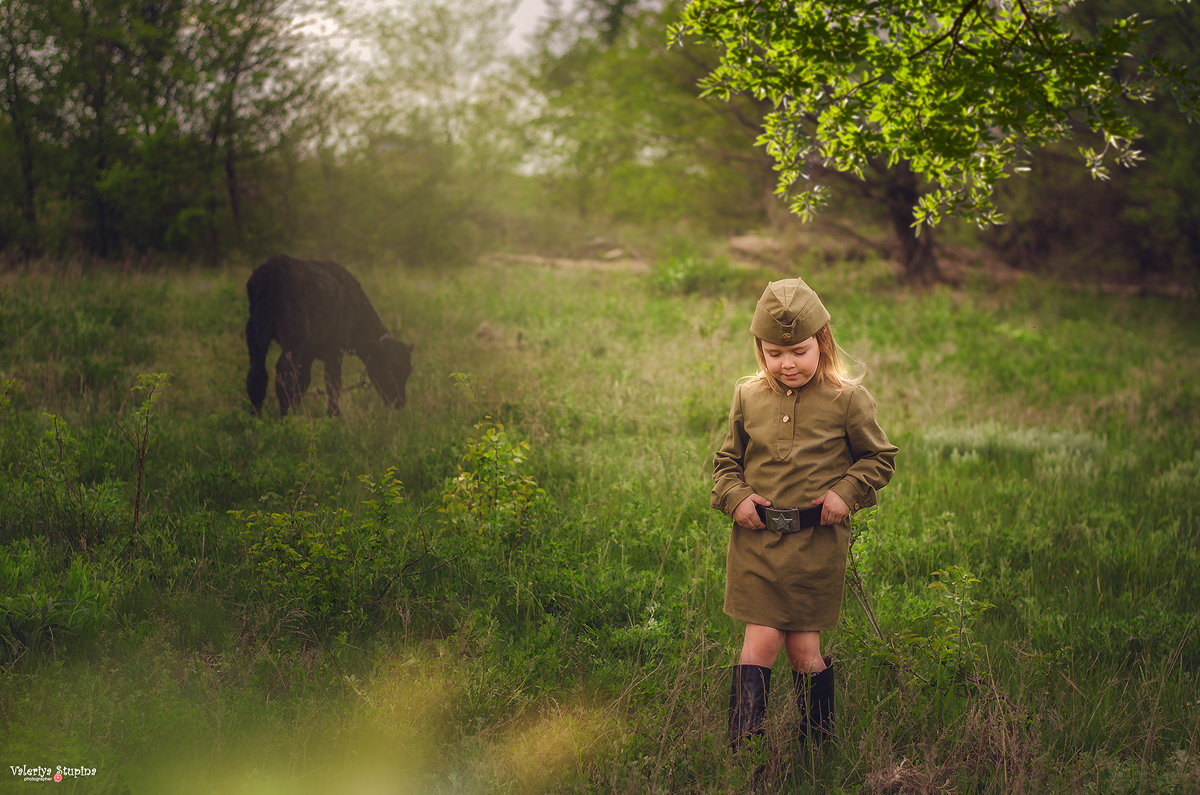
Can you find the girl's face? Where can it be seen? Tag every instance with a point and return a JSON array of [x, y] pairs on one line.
[[793, 365]]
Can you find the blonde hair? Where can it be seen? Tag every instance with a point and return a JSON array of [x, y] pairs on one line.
[[831, 369]]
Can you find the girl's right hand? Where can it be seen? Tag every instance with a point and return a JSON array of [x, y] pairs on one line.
[[746, 512]]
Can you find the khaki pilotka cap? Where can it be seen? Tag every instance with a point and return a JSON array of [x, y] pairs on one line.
[[788, 312]]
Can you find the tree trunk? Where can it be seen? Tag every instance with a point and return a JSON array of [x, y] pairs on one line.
[[916, 253], [231, 184], [20, 116]]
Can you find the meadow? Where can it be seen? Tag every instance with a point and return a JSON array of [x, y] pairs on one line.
[[514, 583]]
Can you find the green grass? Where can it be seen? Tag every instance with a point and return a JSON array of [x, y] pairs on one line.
[[537, 605]]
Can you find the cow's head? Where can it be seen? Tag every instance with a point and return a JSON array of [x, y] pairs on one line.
[[389, 364]]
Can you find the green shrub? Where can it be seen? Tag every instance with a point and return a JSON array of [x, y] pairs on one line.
[[689, 274], [327, 568], [45, 600], [65, 504], [491, 497]]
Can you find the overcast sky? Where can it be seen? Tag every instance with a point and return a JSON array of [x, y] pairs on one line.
[[524, 21]]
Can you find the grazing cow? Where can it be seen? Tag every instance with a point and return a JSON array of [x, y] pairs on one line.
[[317, 310]]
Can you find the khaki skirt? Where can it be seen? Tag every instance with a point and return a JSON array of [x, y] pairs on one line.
[[789, 581]]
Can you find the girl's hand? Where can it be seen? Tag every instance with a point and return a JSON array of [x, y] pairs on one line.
[[834, 510], [746, 514]]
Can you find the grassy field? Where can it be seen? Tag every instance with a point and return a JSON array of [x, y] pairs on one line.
[[515, 582]]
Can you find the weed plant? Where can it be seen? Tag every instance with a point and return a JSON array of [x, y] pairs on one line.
[[515, 582]]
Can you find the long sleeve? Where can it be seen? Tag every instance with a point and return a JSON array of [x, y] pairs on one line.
[[729, 462], [873, 455]]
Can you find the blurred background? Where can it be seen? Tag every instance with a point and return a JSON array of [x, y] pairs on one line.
[[429, 132]]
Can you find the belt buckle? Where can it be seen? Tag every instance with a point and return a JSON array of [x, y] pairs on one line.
[[782, 520], [790, 520]]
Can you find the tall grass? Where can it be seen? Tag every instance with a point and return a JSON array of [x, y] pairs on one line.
[[515, 582]]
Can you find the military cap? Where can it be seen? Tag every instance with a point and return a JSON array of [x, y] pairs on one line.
[[788, 312]]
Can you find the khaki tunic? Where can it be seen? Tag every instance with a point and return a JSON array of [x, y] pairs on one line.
[[792, 448]]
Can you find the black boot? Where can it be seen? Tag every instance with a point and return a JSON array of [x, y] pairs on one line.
[[814, 697], [747, 702]]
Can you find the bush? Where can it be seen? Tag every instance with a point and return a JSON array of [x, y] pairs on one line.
[[329, 569], [491, 496], [690, 275], [45, 600]]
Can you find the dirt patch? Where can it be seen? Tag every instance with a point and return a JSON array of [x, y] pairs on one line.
[[621, 264]]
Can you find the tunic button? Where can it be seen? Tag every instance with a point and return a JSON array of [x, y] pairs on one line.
[[786, 418], [789, 391]]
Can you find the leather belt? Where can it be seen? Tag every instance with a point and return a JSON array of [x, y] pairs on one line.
[[789, 520]]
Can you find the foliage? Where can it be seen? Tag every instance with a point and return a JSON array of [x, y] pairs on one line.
[[553, 619], [141, 127], [621, 136], [203, 129], [68, 506], [958, 92], [955, 614], [491, 494], [1149, 212], [183, 131], [138, 433], [432, 121], [326, 569], [44, 602], [440, 62], [933, 641], [687, 274]]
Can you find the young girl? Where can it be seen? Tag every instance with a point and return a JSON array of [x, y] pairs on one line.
[[803, 452]]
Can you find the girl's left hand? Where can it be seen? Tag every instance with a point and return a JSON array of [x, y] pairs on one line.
[[834, 509]]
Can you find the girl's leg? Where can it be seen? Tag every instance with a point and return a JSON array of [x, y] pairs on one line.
[[751, 685], [804, 652], [813, 676], [761, 645]]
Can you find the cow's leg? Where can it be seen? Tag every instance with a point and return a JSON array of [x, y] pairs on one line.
[[333, 382], [257, 344], [292, 373]]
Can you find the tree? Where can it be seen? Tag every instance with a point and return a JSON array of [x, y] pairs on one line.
[[131, 126], [112, 58], [955, 93], [433, 64], [1146, 221], [21, 37], [623, 136], [259, 88], [428, 136]]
